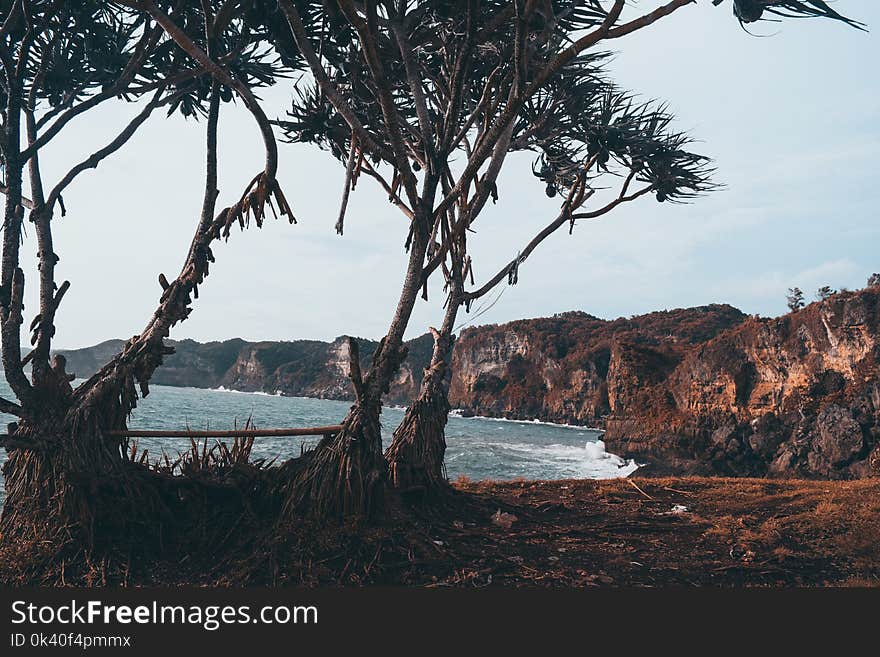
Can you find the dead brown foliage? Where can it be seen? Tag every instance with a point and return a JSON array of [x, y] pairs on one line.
[[731, 533]]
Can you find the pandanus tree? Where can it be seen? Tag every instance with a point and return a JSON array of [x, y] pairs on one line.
[[59, 61], [590, 139], [428, 98], [601, 128]]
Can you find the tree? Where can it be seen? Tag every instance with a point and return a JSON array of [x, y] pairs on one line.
[[60, 60], [794, 299], [599, 139], [824, 292], [874, 280], [415, 455], [428, 98]]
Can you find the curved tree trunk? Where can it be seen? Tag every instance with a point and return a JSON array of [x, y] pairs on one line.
[[69, 486], [62, 468], [415, 456]]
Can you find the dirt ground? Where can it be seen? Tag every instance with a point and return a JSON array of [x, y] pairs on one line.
[[616, 533], [678, 532]]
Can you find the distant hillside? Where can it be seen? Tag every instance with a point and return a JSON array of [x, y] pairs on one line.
[[312, 368], [556, 368], [303, 368]]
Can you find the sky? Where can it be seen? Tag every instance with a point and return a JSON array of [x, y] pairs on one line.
[[791, 119]]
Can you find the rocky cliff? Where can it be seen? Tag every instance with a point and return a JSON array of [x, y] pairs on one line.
[[701, 390], [557, 368], [301, 368], [797, 395]]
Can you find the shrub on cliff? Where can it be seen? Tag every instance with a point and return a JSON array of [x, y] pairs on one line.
[[794, 299], [824, 292]]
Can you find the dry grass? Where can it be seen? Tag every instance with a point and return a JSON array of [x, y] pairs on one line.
[[738, 532], [571, 534]]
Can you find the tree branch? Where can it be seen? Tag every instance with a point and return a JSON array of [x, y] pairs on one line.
[[463, 60], [392, 195], [647, 19], [499, 153], [9, 407], [186, 44], [346, 191], [426, 131], [25, 201], [115, 382], [11, 275], [390, 114], [45, 254], [330, 91], [95, 158], [484, 149], [127, 76], [564, 217]]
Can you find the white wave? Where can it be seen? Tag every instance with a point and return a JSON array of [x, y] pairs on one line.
[[458, 413], [587, 461], [260, 393]]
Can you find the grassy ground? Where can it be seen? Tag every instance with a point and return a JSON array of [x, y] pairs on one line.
[[625, 532], [618, 533], [684, 532]]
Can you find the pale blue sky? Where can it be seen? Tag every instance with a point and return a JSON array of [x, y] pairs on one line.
[[793, 122]]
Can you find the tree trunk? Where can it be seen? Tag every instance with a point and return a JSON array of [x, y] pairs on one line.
[[415, 456], [345, 474], [65, 479], [63, 476]]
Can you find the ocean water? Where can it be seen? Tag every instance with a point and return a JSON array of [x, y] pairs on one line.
[[479, 448]]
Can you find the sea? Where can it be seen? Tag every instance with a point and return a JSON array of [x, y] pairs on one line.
[[476, 447]]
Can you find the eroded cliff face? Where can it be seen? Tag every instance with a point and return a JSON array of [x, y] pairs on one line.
[[794, 396], [557, 368], [703, 390], [316, 369]]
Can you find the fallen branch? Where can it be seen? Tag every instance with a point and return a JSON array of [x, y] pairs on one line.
[[636, 486], [230, 433]]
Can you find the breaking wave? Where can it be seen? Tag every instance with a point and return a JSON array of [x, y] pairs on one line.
[[459, 413], [511, 460], [260, 393]]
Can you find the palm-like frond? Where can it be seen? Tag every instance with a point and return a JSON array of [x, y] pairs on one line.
[[749, 11]]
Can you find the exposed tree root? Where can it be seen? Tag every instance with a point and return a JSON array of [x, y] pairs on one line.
[[345, 473], [415, 456], [66, 522]]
